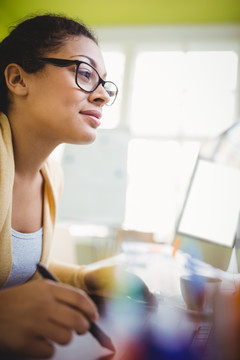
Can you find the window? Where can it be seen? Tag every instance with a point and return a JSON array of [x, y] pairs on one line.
[[190, 93], [114, 61], [180, 87]]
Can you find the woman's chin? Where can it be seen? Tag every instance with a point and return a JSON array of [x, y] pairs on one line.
[[85, 139]]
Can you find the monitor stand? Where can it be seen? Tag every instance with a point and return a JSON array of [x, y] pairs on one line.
[[233, 264]]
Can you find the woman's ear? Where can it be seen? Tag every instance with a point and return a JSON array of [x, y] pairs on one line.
[[15, 79]]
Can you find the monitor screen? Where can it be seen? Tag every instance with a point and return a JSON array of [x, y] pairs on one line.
[[213, 204], [208, 222]]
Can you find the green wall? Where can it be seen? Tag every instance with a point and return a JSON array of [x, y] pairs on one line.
[[111, 12]]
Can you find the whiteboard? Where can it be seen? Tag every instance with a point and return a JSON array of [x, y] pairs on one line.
[[95, 178]]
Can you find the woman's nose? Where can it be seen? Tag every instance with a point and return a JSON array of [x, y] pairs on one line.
[[99, 95]]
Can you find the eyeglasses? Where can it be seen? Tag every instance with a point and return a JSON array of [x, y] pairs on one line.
[[86, 77]]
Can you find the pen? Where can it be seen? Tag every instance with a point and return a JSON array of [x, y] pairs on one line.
[[95, 330]]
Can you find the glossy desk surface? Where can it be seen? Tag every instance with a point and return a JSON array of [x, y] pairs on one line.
[[161, 272]]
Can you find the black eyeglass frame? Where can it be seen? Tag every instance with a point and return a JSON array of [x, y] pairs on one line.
[[65, 62]]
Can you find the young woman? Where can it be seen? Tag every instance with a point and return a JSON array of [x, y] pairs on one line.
[[53, 89]]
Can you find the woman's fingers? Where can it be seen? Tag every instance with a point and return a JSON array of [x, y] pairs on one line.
[[38, 348], [55, 332], [42, 310], [76, 299], [68, 317]]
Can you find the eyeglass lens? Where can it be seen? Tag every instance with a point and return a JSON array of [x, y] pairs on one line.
[[88, 80]]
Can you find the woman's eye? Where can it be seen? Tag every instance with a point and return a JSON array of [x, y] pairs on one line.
[[84, 74]]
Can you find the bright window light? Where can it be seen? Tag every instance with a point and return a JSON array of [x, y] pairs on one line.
[[151, 186], [184, 93], [158, 173], [215, 70], [115, 62], [178, 86], [208, 113], [157, 86]]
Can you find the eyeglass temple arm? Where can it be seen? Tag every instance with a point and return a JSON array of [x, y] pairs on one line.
[[59, 62]]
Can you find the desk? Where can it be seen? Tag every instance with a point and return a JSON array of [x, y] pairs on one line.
[[161, 272]]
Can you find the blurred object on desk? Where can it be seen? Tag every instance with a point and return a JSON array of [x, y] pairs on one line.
[[128, 236], [227, 325]]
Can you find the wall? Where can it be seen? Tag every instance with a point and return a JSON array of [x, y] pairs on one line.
[[111, 12]]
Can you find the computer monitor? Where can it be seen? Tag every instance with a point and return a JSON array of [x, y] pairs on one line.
[[208, 225]]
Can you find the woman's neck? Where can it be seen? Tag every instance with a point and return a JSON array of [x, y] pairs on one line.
[[29, 147]]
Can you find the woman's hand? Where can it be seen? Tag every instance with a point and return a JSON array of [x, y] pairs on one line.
[[115, 280], [40, 312]]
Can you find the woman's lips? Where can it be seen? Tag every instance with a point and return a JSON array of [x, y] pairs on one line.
[[93, 115]]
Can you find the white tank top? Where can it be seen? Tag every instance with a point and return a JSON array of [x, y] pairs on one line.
[[26, 253]]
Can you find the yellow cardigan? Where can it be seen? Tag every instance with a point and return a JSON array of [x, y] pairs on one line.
[[52, 175]]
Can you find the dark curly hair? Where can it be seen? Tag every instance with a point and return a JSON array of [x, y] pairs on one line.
[[31, 39]]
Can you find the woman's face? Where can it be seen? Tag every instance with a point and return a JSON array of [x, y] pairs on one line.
[[57, 109]]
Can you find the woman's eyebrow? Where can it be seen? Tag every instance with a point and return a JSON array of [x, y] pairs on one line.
[[92, 61]]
